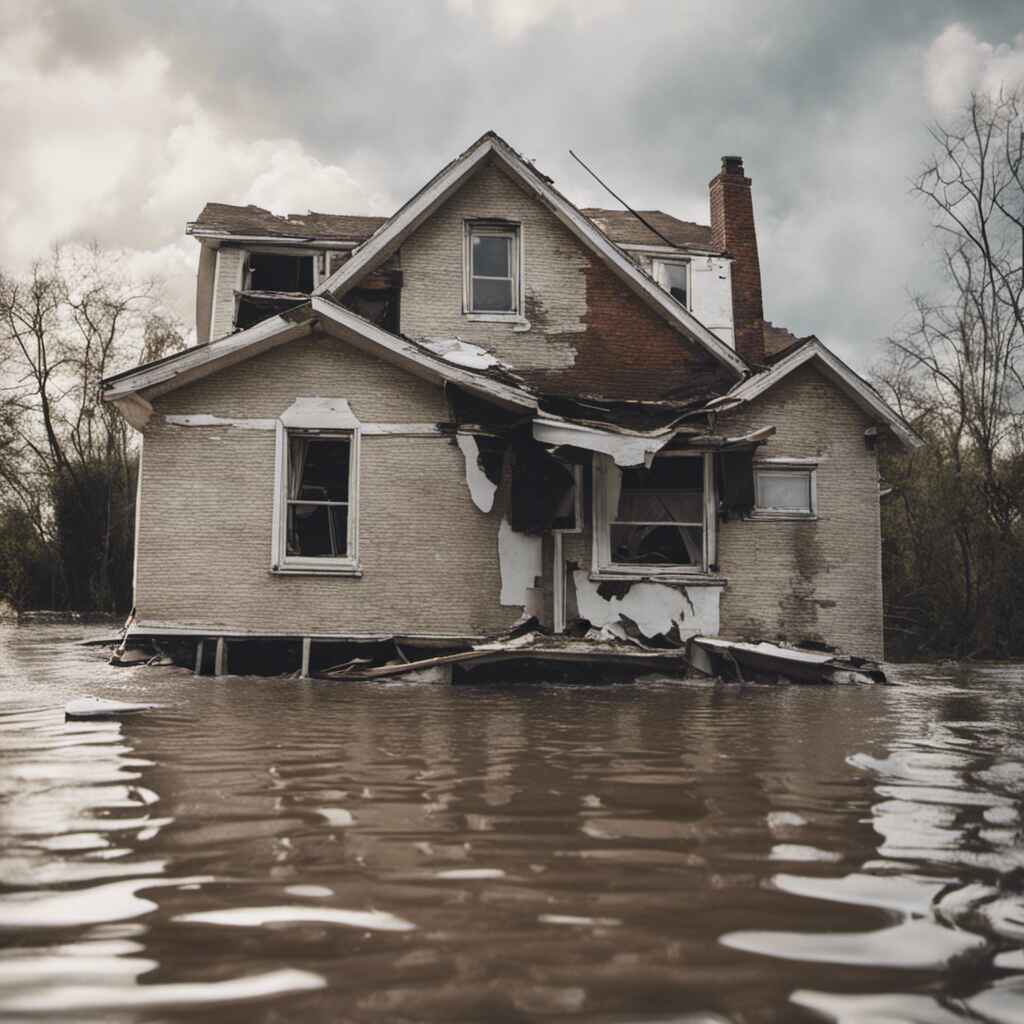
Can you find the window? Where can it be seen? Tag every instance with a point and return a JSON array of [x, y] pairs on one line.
[[492, 269], [278, 272], [674, 277], [654, 520], [316, 511], [784, 492]]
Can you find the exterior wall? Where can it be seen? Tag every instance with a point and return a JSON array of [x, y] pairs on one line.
[[204, 292], [227, 279], [428, 555], [818, 579], [584, 330], [710, 289]]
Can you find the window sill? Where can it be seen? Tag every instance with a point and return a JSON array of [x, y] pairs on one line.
[[316, 570], [781, 517], [693, 579], [497, 318]]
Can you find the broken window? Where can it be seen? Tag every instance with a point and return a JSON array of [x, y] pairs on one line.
[[674, 277], [785, 492], [492, 270], [278, 272], [319, 475], [654, 518]]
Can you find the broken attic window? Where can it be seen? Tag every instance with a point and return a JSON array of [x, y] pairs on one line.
[[278, 272], [674, 277], [493, 268], [319, 470], [659, 516]]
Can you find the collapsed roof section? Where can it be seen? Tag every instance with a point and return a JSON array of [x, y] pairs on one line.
[[224, 221], [490, 147]]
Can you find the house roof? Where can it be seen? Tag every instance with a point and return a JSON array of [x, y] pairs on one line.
[[847, 380], [132, 388], [223, 219], [490, 146], [624, 228]]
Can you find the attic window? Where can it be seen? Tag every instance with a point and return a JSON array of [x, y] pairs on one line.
[[674, 277], [278, 272], [492, 268]]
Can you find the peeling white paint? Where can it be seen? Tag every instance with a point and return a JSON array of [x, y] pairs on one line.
[[204, 420], [461, 353], [625, 449], [654, 607], [481, 489], [316, 413], [519, 556]]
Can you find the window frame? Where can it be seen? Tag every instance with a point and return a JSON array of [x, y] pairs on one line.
[[658, 265], [604, 567], [281, 561], [504, 229], [785, 467]]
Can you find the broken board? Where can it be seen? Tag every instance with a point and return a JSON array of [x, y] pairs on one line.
[[97, 707]]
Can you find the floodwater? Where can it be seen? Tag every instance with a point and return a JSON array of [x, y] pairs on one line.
[[267, 850]]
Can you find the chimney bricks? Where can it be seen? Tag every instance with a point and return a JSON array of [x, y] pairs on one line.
[[733, 231]]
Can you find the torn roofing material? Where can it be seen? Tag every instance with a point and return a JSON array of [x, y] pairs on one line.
[[625, 229], [225, 220], [491, 147]]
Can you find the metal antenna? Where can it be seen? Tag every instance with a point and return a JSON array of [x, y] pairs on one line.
[[646, 223]]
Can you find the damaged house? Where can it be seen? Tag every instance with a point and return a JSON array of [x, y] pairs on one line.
[[415, 429]]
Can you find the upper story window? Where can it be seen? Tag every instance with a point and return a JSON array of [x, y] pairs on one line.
[[654, 520], [278, 272], [492, 268], [674, 277]]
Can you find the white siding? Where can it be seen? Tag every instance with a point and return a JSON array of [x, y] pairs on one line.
[[227, 279]]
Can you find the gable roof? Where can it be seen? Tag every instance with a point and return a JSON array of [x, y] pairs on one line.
[[372, 253], [224, 220], [132, 388], [624, 228], [847, 380]]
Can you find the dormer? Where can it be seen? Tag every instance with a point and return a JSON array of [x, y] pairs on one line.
[[254, 264]]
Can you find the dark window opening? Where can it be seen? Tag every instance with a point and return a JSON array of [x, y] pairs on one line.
[[318, 496], [278, 272], [660, 515]]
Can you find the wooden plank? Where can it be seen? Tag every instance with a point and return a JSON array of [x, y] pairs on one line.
[[220, 660], [307, 647], [199, 657]]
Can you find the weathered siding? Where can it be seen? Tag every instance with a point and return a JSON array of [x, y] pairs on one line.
[[585, 331], [428, 555], [227, 279], [204, 292], [818, 579]]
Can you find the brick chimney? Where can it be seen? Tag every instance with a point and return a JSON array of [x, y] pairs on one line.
[[732, 230]]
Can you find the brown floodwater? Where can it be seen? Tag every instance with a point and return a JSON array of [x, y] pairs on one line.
[[270, 850]]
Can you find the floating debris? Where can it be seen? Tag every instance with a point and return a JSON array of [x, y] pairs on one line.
[[97, 707]]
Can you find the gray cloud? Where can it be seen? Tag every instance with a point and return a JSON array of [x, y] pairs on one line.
[[826, 102]]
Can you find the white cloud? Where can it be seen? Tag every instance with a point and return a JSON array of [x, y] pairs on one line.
[[512, 18], [957, 62]]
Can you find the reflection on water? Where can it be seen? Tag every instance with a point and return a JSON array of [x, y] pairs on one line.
[[270, 850]]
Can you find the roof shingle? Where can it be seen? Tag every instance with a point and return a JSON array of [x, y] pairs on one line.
[[254, 220], [622, 227]]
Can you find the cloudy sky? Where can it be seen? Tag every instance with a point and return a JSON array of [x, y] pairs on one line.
[[120, 119]]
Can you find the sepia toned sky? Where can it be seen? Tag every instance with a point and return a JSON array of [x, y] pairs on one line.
[[120, 119]]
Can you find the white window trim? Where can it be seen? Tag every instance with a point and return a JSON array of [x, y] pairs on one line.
[[782, 465], [511, 229], [602, 565], [657, 272], [318, 418], [577, 476]]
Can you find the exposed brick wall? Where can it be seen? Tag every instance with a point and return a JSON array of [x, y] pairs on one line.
[[733, 229], [429, 556], [587, 331], [819, 579]]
